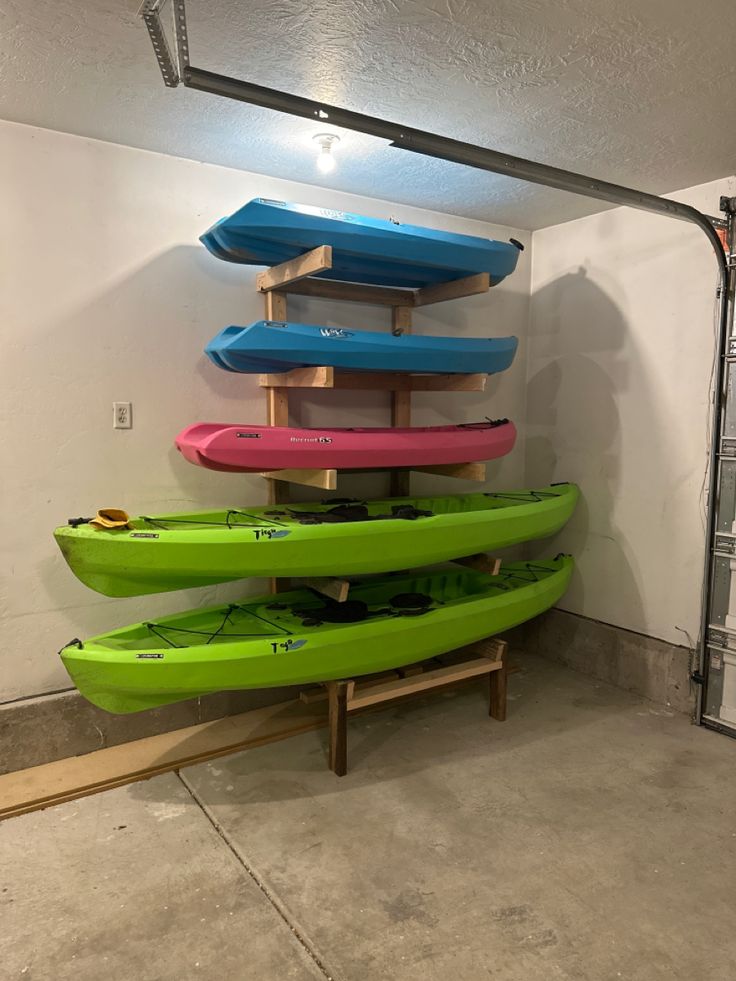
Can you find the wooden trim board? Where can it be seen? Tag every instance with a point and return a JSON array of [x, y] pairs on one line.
[[79, 776]]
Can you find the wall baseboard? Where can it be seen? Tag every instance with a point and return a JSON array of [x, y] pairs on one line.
[[643, 665], [54, 727]]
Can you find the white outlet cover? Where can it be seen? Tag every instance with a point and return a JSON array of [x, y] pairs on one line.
[[122, 415]]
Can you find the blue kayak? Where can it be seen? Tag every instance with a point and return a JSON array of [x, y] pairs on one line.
[[272, 346], [364, 250]]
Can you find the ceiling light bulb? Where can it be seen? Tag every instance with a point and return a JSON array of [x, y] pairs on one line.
[[325, 160]]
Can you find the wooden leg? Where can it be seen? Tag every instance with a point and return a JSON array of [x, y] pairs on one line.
[[338, 703], [497, 691]]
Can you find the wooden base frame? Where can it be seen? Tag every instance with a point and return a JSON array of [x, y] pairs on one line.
[[345, 696]]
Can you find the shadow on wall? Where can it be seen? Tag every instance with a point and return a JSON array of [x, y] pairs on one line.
[[578, 371]]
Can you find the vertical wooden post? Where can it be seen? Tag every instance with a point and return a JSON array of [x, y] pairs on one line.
[[400, 401], [497, 683], [275, 305], [277, 414], [337, 692], [277, 405]]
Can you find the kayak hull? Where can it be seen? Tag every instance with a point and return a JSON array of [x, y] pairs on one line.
[[180, 551], [252, 449], [263, 643], [364, 250], [273, 346]]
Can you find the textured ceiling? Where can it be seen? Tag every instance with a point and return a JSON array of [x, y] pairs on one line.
[[640, 93]]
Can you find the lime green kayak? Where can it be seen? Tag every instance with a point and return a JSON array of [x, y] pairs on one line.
[[176, 551], [297, 637]]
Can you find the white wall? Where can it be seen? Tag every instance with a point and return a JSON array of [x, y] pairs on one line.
[[619, 362], [107, 295]]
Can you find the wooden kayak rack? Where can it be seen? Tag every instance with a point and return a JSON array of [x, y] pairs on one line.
[[346, 696], [297, 276]]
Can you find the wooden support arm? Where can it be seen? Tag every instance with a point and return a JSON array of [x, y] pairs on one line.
[[481, 563], [334, 589], [325, 376], [278, 277]]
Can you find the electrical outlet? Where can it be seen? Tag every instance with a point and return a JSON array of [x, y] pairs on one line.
[[122, 415]]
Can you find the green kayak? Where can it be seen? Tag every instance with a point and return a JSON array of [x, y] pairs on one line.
[[297, 637], [176, 551]]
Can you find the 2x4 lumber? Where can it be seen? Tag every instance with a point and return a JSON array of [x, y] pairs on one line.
[[334, 589], [79, 776], [400, 483], [454, 289], [275, 304], [463, 471], [481, 563], [423, 682], [277, 407], [321, 377], [281, 276], [338, 710], [331, 289], [498, 683], [491, 647], [326, 377], [389, 296], [277, 414], [324, 479], [319, 694]]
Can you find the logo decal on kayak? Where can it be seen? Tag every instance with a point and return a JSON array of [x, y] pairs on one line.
[[247, 435], [337, 333], [268, 533], [142, 534], [340, 215], [286, 646], [149, 657], [310, 439]]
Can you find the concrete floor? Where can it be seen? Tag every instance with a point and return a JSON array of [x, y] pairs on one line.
[[592, 836]]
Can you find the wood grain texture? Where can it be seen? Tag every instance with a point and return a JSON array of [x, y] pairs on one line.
[[454, 289], [380, 381], [462, 471], [422, 682], [282, 276], [79, 776], [324, 479]]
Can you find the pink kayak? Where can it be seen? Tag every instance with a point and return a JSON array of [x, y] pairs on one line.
[[220, 446]]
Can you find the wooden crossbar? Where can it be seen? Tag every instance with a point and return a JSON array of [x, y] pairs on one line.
[[381, 381], [422, 682], [387, 296]]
